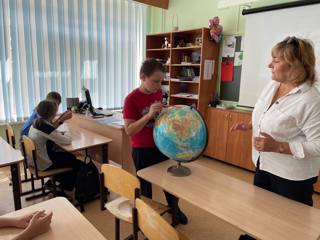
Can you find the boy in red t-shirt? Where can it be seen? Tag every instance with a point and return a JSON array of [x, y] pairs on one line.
[[141, 107]]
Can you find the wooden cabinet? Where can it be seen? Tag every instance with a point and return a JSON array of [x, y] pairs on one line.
[[189, 56], [239, 144], [231, 147], [236, 147], [217, 122]]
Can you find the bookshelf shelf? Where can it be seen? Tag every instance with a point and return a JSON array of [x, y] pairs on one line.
[[186, 48], [158, 49], [175, 80], [185, 96], [186, 65]]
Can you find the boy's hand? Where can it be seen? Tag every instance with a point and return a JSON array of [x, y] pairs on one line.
[[65, 116], [154, 109]]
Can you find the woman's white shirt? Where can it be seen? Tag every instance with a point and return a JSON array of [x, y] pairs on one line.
[[295, 119]]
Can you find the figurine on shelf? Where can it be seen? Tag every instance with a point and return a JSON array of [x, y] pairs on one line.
[[198, 41], [181, 43], [168, 61], [166, 43]]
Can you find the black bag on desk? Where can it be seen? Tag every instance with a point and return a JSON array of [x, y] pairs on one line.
[[87, 183]]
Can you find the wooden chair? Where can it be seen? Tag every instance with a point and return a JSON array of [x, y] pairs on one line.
[[151, 224], [126, 185], [12, 141], [10, 136], [29, 151]]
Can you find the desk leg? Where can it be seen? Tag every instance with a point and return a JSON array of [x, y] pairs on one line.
[[105, 153], [103, 194], [16, 186]]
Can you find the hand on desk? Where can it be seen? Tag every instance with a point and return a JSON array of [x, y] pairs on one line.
[[23, 221], [35, 224]]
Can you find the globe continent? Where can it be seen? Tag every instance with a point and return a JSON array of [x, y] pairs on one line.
[[180, 133]]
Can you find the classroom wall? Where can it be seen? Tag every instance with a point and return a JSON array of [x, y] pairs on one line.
[[196, 13]]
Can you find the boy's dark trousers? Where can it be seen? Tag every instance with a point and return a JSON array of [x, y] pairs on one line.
[[62, 159], [146, 157]]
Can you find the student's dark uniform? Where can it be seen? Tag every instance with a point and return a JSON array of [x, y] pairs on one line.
[[50, 155]]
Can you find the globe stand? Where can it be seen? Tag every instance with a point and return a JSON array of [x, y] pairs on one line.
[[179, 170]]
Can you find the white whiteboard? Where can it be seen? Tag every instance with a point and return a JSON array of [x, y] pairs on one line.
[[263, 30]]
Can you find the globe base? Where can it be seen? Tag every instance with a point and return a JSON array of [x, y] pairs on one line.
[[179, 170]]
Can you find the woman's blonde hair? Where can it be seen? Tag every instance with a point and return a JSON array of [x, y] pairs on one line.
[[299, 54]]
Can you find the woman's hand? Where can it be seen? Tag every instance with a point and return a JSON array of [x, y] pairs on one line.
[[265, 143], [241, 127]]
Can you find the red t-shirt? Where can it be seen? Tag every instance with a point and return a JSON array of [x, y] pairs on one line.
[[136, 105]]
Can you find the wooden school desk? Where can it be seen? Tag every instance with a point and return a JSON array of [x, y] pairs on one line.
[[82, 139], [67, 222], [110, 127], [12, 157], [260, 213]]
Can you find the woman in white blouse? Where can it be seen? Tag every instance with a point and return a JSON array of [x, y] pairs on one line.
[[286, 124]]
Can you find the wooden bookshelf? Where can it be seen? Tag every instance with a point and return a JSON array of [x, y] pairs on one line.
[[182, 69]]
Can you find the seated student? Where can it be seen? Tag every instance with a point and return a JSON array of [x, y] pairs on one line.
[[34, 224], [51, 96], [49, 154]]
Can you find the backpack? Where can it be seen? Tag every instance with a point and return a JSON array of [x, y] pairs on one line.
[[87, 184]]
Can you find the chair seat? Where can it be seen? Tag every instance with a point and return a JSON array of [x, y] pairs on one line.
[[49, 173], [122, 207], [158, 207]]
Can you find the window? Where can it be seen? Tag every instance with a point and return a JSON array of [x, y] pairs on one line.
[[59, 45]]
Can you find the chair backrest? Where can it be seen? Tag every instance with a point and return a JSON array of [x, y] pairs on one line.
[[29, 150], [153, 226], [10, 136], [120, 181]]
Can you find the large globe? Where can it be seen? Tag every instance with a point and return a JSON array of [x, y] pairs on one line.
[[180, 133]]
